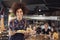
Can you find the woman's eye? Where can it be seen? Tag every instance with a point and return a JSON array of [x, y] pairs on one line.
[[17, 12], [21, 11]]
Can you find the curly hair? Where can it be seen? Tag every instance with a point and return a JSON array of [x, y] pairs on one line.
[[16, 6]]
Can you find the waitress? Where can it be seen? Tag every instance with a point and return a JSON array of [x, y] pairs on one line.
[[17, 26]]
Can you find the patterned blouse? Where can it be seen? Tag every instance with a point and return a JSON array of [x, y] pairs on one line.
[[16, 25]]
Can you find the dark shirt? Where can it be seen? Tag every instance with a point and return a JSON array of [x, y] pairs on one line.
[[46, 32], [38, 30]]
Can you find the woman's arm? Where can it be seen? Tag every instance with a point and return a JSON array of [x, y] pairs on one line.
[[11, 32]]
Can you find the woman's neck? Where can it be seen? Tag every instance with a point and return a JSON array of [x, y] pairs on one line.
[[46, 29], [19, 19]]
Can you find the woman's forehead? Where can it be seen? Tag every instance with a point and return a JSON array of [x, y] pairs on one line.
[[19, 9]]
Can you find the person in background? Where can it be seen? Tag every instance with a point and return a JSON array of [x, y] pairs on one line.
[[43, 26], [46, 31], [55, 35], [17, 27], [29, 29], [34, 30], [38, 30]]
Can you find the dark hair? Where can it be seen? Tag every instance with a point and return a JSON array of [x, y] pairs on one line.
[[16, 6], [45, 22]]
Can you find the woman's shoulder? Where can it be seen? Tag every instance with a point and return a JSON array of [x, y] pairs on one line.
[[13, 20], [24, 19]]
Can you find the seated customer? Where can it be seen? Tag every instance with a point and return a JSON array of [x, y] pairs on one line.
[[46, 31]]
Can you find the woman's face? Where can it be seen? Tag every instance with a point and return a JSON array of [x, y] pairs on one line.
[[46, 25], [19, 13]]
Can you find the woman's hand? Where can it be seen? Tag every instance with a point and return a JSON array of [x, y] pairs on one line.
[[11, 32]]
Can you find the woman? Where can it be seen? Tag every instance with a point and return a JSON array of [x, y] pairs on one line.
[[46, 32], [18, 26]]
